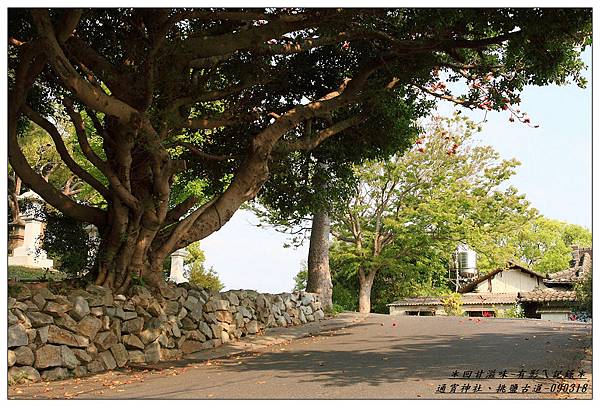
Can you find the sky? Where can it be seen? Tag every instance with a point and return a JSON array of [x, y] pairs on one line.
[[555, 175]]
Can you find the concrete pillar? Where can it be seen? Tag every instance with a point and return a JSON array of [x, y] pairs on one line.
[[30, 253], [177, 270]]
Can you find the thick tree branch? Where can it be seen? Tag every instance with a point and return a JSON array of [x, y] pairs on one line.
[[123, 193], [84, 91], [181, 209], [311, 141], [64, 153], [199, 153]]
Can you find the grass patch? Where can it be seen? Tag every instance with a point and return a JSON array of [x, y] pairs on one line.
[[23, 273]]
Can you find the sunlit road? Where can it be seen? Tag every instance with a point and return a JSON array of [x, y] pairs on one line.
[[381, 357]]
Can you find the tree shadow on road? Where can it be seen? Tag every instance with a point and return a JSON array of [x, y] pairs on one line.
[[389, 358]]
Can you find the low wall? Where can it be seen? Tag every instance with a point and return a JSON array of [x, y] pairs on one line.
[[53, 336]]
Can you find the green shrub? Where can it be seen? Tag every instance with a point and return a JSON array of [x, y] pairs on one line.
[[453, 304]]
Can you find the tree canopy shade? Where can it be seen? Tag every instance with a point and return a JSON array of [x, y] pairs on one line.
[[194, 106]]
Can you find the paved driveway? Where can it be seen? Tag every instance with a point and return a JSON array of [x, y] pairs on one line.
[[381, 357]]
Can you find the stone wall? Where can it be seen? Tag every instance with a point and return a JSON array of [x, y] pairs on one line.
[[53, 336]]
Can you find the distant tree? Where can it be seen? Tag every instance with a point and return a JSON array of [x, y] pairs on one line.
[[197, 273], [300, 278], [409, 213], [584, 294], [545, 244]]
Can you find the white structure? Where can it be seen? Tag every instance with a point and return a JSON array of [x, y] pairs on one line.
[[177, 269], [30, 253]]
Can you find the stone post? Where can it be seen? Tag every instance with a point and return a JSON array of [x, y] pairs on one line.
[[177, 270], [30, 253]]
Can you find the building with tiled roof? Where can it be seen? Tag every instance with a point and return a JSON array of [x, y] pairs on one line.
[[539, 295]]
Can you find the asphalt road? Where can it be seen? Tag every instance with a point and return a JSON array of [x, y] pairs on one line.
[[383, 357]]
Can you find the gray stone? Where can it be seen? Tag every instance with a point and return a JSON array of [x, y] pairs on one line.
[[56, 308], [120, 297], [12, 318], [92, 350], [68, 357], [171, 307], [281, 320], [137, 356], [175, 329], [245, 313], [105, 323], [58, 373], [39, 300], [80, 371], [23, 319], [11, 358], [61, 336], [17, 336], [163, 340], [42, 334], [142, 312], [182, 313], [65, 321], [89, 326], [97, 311], [216, 305], [155, 309], [48, 356], [80, 309], [307, 299], [190, 303], [252, 327], [104, 340], [20, 374], [132, 341], [96, 366], [152, 352], [23, 356], [224, 316], [188, 324], [82, 355], [217, 329], [190, 346], [319, 314], [19, 291], [224, 337], [196, 336], [44, 293], [107, 358], [39, 319], [120, 354], [205, 329], [133, 326], [100, 296], [124, 315], [149, 335], [115, 328], [167, 292]]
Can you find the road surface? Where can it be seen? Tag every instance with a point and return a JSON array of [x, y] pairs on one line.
[[382, 357]]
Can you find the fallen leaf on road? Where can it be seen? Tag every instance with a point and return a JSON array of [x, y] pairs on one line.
[[261, 382]]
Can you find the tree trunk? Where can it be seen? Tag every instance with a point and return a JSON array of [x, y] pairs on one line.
[[364, 292], [319, 276]]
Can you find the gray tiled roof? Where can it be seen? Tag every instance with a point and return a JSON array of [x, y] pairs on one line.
[[583, 265], [548, 295]]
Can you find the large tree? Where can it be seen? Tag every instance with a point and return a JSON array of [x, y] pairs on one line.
[[220, 95]]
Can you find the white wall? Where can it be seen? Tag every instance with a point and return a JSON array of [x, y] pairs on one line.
[[511, 281]]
